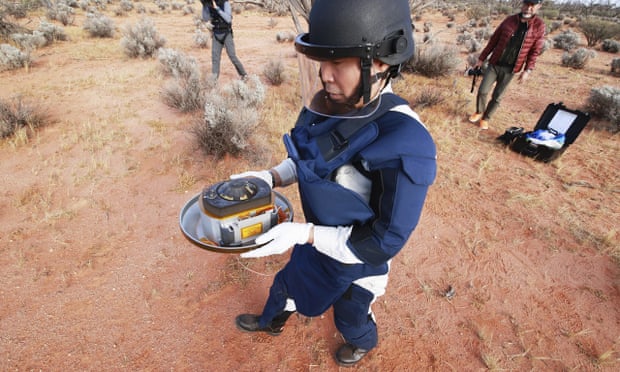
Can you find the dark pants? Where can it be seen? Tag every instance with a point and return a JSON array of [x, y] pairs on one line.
[[351, 313], [220, 41], [501, 76]]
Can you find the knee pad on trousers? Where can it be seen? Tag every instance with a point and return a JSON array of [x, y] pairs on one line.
[[352, 318]]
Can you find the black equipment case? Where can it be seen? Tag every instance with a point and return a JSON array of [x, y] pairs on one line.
[[556, 117]]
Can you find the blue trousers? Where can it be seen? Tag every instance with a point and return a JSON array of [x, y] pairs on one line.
[[351, 306]]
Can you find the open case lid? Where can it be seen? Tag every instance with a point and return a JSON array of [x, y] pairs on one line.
[[563, 120]]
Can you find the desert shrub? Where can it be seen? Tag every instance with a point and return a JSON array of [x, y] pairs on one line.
[[62, 13], [278, 8], [285, 36], [185, 93], [610, 46], [119, 12], [472, 59], [596, 30], [30, 41], [578, 59], [52, 32], [566, 40], [12, 58], [503, 9], [547, 44], [428, 97], [126, 5], [84, 5], [248, 92], [434, 61], [473, 46], [554, 26], [142, 40], [16, 114], [230, 118], [187, 9], [162, 5], [201, 38], [549, 13], [462, 38], [176, 64], [98, 25], [16, 10], [476, 12], [605, 102], [483, 33], [615, 65], [274, 72]]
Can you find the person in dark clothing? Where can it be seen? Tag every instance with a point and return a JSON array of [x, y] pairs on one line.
[[363, 163], [514, 47], [218, 15]]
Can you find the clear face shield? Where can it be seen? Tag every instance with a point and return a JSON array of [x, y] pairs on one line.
[[318, 100]]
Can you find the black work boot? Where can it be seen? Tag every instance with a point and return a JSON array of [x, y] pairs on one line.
[[348, 355], [249, 323]]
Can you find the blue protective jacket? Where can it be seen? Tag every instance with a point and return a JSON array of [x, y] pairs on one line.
[[397, 154]]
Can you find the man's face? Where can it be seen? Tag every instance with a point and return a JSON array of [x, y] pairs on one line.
[[528, 10], [341, 79]]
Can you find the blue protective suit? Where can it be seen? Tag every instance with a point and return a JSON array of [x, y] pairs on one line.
[[396, 152]]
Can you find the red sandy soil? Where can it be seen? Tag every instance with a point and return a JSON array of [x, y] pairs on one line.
[[96, 274]]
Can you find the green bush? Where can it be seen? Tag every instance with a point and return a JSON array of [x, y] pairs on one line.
[[596, 30]]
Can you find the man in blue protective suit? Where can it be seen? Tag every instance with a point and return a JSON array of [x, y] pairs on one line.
[[363, 163]]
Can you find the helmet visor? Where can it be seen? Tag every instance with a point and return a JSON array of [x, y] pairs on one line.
[[316, 98]]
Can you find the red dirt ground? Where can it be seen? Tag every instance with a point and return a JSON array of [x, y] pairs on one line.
[[96, 274]]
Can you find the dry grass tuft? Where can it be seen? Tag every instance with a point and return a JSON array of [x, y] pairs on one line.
[[16, 114]]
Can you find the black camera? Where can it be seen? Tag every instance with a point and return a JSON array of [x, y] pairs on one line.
[[474, 71]]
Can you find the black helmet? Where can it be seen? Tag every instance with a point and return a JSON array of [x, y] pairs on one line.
[[359, 28], [368, 29]]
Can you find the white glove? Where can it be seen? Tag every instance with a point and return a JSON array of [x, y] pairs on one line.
[[209, 26], [264, 175], [282, 237]]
